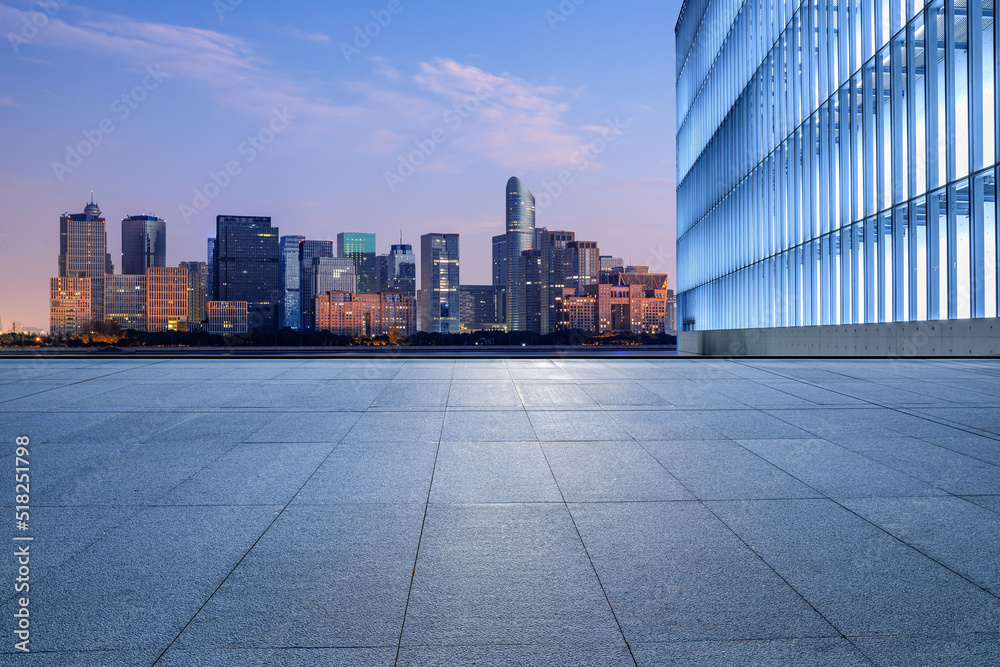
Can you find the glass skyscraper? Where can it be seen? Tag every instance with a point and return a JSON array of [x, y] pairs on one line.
[[144, 244], [290, 307], [520, 237], [403, 269], [83, 253], [439, 283], [837, 162], [247, 266], [360, 248]]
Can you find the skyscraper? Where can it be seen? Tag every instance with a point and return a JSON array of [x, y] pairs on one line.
[[360, 248], [83, 253], [308, 251], [585, 260], [211, 269], [290, 306], [837, 165], [144, 244], [125, 301], [520, 237], [551, 270], [382, 282], [197, 291], [439, 283], [166, 298], [248, 267], [500, 277], [403, 269]]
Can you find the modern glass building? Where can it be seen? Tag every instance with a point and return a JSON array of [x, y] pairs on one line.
[[290, 306], [837, 162], [403, 269], [144, 244], [360, 248], [439, 284], [83, 252], [520, 237], [308, 283], [247, 265]]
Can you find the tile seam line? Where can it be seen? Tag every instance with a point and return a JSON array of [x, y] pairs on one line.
[[72, 384], [872, 523], [423, 521], [754, 551], [901, 410], [579, 535], [247, 552]]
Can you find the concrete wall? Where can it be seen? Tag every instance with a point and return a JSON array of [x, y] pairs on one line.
[[943, 338]]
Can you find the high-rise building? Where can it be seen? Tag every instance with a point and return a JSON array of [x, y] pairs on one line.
[[290, 306], [167, 299], [500, 276], [227, 318], [197, 291], [83, 252], [248, 267], [403, 269], [347, 314], [611, 266], [382, 282], [439, 283], [671, 311], [308, 251], [360, 248], [70, 311], [144, 244], [837, 165], [211, 269], [477, 307], [585, 260], [125, 301], [549, 272], [520, 237], [333, 274]]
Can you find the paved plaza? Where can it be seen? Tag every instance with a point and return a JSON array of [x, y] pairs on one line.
[[519, 512]]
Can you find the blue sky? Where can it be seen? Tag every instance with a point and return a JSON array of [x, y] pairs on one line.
[[188, 110]]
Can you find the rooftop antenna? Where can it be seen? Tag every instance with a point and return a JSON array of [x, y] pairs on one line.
[[400, 233], [91, 196]]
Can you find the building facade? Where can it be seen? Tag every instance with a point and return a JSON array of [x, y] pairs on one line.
[[360, 248], [228, 318], [144, 244], [125, 301], [500, 276], [384, 314], [837, 165], [439, 283], [520, 237], [585, 259], [167, 299], [83, 253], [290, 305], [211, 269], [403, 270], [477, 306], [197, 291], [247, 266], [70, 312]]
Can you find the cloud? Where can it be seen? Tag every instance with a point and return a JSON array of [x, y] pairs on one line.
[[304, 36], [7, 102], [224, 65], [517, 124]]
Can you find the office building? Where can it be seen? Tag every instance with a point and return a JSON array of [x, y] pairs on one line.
[[228, 318], [477, 307], [403, 269], [211, 269], [70, 312], [83, 253], [548, 271], [585, 262], [167, 299], [144, 244], [635, 304], [382, 281], [837, 170], [290, 305], [308, 281], [349, 314], [360, 248], [439, 283], [247, 267], [125, 301], [197, 291], [500, 276], [610, 266], [520, 237]]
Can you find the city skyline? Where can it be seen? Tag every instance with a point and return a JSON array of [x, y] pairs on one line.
[[353, 123]]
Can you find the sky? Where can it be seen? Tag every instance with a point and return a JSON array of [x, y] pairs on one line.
[[353, 116]]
